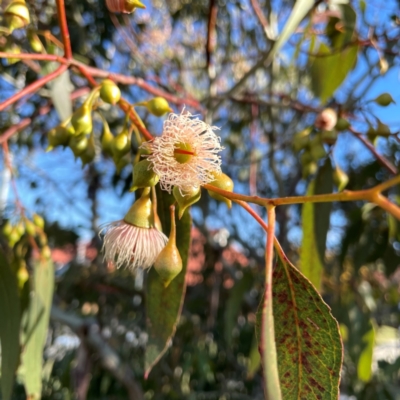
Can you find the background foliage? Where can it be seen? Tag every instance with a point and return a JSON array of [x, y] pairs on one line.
[[343, 55]]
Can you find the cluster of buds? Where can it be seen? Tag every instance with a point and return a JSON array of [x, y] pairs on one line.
[[17, 15], [182, 159]]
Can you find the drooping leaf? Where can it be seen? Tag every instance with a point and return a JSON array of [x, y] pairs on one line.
[[329, 69], [164, 304], [9, 327], [364, 365], [35, 326], [309, 347], [315, 222]]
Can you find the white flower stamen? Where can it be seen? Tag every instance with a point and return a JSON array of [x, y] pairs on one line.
[[130, 246], [186, 154]]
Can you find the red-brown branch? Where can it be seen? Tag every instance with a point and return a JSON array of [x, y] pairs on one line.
[[260, 16], [33, 87], [212, 21], [62, 21], [381, 159], [14, 129]]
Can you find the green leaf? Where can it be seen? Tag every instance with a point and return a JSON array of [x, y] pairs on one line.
[[309, 347], [35, 326], [9, 327], [164, 305], [329, 69], [364, 365], [315, 221]]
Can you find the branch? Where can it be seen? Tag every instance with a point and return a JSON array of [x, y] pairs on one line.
[[62, 22], [212, 21], [261, 19], [381, 159], [33, 87], [14, 129], [109, 359]]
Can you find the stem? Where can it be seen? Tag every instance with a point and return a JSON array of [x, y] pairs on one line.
[[37, 57], [62, 21], [33, 87], [269, 357], [387, 205], [125, 106]]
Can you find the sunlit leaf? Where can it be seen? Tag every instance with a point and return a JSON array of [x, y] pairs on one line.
[[9, 327], [308, 341], [35, 325], [164, 305], [315, 222]]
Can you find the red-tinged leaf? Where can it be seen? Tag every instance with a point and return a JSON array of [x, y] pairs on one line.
[[35, 323], [164, 305], [308, 342], [9, 327]]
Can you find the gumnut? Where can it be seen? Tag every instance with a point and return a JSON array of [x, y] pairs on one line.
[[121, 144], [124, 6], [88, 155], [110, 92], [342, 124], [186, 198], [143, 176], [107, 139], [17, 15], [301, 139], [326, 119], [157, 106], [78, 144], [82, 120], [384, 99], [169, 262], [141, 214], [222, 181], [38, 221]]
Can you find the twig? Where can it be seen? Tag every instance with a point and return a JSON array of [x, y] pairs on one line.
[[62, 22], [261, 18]]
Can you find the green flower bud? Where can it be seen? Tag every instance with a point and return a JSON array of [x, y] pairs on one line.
[[382, 129], [13, 49], [17, 15], [309, 169], [222, 181], [342, 124], [35, 42], [22, 276], [340, 178], [110, 92], [38, 221], [78, 144], [186, 198], [157, 106], [20, 228], [106, 139], [7, 229], [301, 139], [317, 149], [329, 137], [169, 262], [13, 237], [82, 120], [141, 214], [30, 228], [58, 136], [88, 155], [384, 99], [143, 176], [121, 144], [46, 252]]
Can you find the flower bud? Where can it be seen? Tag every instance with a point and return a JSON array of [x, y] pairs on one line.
[[88, 155], [143, 175], [141, 214], [22, 275], [301, 139], [121, 144], [58, 136], [157, 106], [222, 181], [169, 262], [382, 129], [317, 149], [329, 137], [7, 229], [342, 124], [30, 228], [38, 221], [13, 237], [46, 252], [186, 198], [78, 144], [326, 119], [124, 6], [82, 120], [20, 228], [35, 42], [384, 99], [340, 178], [110, 92], [12, 48], [17, 15]]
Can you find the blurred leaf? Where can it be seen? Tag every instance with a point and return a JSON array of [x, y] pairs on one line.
[[235, 300], [329, 69], [9, 327], [364, 366], [315, 222], [164, 305], [308, 341], [254, 359], [35, 325]]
